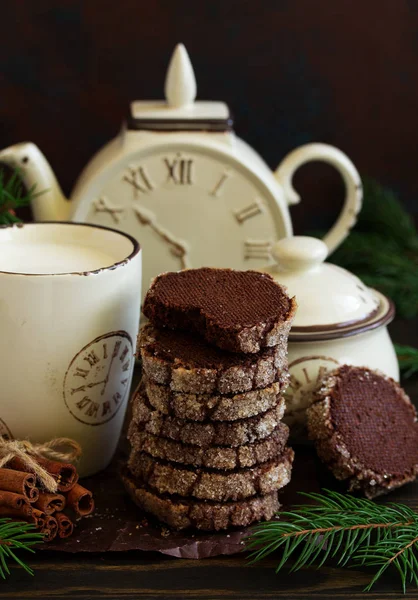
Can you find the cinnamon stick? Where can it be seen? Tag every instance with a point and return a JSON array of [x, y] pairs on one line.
[[14, 505], [22, 514], [20, 483], [50, 503], [36, 517], [12, 500], [39, 518], [50, 529], [65, 525], [65, 474], [80, 500]]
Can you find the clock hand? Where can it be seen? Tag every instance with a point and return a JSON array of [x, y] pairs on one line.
[[83, 388], [114, 354], [178, 248]]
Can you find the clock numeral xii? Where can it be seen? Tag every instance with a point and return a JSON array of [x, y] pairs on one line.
[[179, 170]]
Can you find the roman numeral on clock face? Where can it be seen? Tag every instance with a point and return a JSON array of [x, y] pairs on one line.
[[257, 249], [91, 407], [102, 205], [216, 192], [179, 170], [116, 349], [138, 178], [294, 383], [81, 372], [92, 358], [249, 211]]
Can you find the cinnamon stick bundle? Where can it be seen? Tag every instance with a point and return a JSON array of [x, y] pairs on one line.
[[50, 503], [80, 500], [65, 525], [29, 486], [20, 483], [65, 474]]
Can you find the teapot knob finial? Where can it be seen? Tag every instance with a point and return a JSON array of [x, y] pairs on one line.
[[299, 253], [180, 82]]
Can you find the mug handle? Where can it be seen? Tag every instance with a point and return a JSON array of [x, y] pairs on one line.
[[353, 187]]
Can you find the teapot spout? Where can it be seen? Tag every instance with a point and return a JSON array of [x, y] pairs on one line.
[[51, 204]]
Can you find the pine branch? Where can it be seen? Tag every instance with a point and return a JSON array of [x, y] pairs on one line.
[[408, 360], [344, 527], [404, 559], [16, 535], [383, 248], [12, 196], [383, 265], [384, 214]]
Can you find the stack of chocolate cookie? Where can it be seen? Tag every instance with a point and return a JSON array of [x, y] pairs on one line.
[[208, 444]]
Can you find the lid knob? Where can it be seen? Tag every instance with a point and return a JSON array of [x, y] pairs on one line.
[[299, 253], [180, 83]]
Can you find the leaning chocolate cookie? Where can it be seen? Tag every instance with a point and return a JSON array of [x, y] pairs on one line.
[[365, 430], [238, 311]]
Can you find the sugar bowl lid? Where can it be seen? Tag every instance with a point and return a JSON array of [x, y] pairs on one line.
[[332, 302]]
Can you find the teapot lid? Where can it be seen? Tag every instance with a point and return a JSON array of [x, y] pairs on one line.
[[179, 110], [332, 302]]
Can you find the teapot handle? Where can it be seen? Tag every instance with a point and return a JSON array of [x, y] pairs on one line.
[[353, 188]]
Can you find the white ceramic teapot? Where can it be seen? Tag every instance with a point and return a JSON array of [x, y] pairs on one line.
[[339, 321], [179, 180]]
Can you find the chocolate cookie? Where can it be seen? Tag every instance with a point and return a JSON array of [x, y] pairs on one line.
[[205, 407], [239, 311], [215, 457], [181, 513], [186, 363], [213, 433], [365, 429], [204, 484]]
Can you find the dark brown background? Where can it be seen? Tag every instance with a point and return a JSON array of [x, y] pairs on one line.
[[293, 71]]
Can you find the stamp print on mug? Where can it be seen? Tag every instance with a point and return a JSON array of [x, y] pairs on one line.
[[5, 431], [98, 378]]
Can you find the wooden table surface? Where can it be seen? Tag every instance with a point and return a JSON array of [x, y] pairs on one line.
[[120, 575]]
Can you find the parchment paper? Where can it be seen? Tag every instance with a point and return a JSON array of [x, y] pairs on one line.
[[118, 525]]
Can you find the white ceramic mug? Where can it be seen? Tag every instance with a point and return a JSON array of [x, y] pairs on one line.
[[69, 316]]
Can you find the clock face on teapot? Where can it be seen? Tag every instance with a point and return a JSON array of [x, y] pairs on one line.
[[188, 206]]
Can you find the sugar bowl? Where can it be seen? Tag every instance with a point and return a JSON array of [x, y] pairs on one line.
[[339, 321]]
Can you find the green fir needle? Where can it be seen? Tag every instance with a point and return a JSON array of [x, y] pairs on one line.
[[16, 536], [383, 248], [13, 196], [408, 360], [346, 528]]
